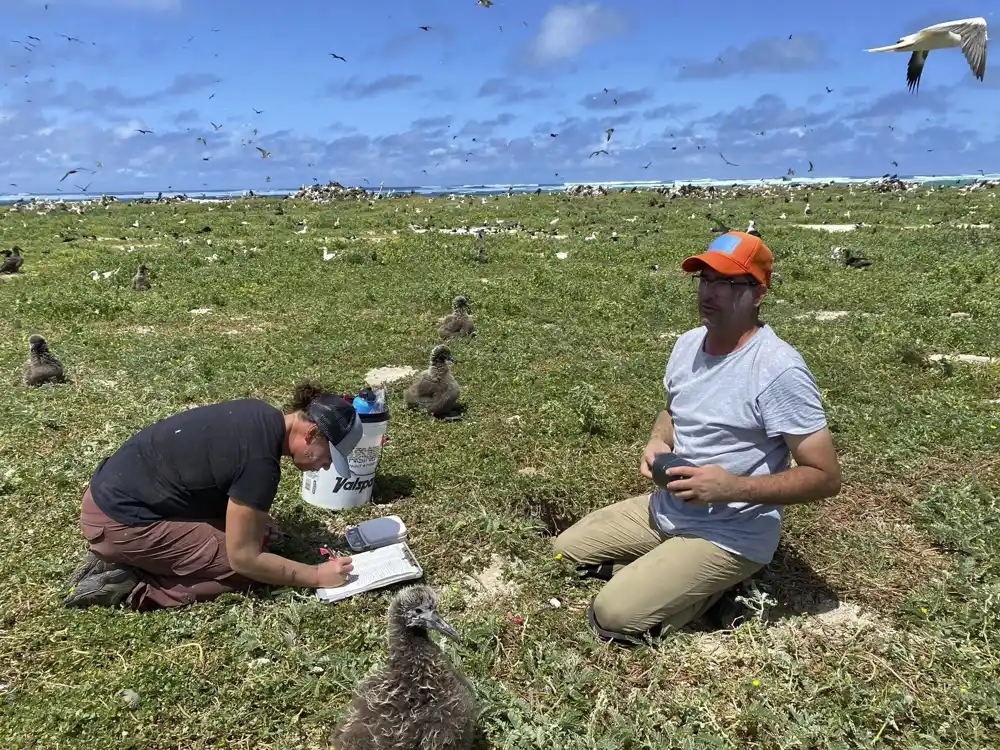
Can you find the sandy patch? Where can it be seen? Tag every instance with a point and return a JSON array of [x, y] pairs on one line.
[[489, 584], [971, 359], [388, 374], [200, 310], [824, 315], [830, 620], [829, 227], [527, 471]]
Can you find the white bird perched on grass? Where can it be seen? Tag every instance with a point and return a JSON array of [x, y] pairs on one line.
[[968, 33]]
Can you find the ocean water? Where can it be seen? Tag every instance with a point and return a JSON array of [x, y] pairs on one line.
[[483, 190]]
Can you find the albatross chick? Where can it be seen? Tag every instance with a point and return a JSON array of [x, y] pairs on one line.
[[42, 366], [435, 390], [12, 260], [417, 699], [140, 282], [458, 323]]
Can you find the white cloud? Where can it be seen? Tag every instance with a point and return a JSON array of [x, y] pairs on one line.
[[567, 29]]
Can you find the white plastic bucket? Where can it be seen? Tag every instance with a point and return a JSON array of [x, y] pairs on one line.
[[328, 489]]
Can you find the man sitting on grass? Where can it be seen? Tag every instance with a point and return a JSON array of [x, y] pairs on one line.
[[180, 513], [740, 403]]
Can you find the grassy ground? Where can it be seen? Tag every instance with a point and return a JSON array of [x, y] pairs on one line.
[[561, 387]]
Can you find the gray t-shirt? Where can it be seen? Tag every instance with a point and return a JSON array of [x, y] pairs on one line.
[[732, 410]]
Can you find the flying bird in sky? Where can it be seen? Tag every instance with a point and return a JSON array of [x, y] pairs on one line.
[[337, 57], [263, 153], [727, 160], [144, 132], [73, 171], [425, 28], [485, 3], [595, 153], [968, 33]]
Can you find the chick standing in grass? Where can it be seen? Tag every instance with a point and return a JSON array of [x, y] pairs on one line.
[[13, 260], [42, 366], [458, 323], [140, 282], [417, 700], [435, 390]]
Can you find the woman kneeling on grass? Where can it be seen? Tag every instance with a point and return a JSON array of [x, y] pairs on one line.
[[180, 513]]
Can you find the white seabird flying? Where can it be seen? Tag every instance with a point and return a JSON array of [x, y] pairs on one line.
[[967, 33]]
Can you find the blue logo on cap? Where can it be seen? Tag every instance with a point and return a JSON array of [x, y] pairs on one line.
[[725, 243]]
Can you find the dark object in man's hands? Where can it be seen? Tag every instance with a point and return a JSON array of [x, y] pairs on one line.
[[661, 463]]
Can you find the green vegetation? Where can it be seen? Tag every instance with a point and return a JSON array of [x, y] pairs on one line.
[[560, 389]]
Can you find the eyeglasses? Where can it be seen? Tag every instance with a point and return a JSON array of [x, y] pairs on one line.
[[697, 278]]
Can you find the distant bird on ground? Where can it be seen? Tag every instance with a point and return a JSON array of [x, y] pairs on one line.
[[481, 250], [12, 261], [720, 226], [855, 261], [335, 56], [140, 282], [42, 366], [968, 33], [752, 229], [848, 258], [435, 390], [417, 699], [458, 323]]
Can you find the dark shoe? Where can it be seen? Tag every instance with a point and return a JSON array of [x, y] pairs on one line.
[[107, 588], [601, 572], [90, 564], [610, 636], [726, 613]]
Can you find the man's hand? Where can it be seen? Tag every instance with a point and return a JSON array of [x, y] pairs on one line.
[[704, 485], [654, 446]]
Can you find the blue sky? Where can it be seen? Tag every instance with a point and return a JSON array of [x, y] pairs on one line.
[[474, 99]]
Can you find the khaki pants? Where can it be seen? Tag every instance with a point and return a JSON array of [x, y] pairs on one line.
[[657, 580]]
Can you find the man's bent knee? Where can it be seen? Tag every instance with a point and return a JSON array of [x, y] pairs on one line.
[[567, 544], [614, 614]]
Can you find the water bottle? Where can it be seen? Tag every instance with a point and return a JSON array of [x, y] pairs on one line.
[[364, 402]]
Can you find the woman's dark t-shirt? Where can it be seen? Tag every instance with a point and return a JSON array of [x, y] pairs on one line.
[[187, 466]]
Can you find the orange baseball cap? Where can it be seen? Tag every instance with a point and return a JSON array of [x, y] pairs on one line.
[[734, 254]]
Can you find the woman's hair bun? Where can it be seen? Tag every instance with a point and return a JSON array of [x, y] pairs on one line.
[[304, 394]]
